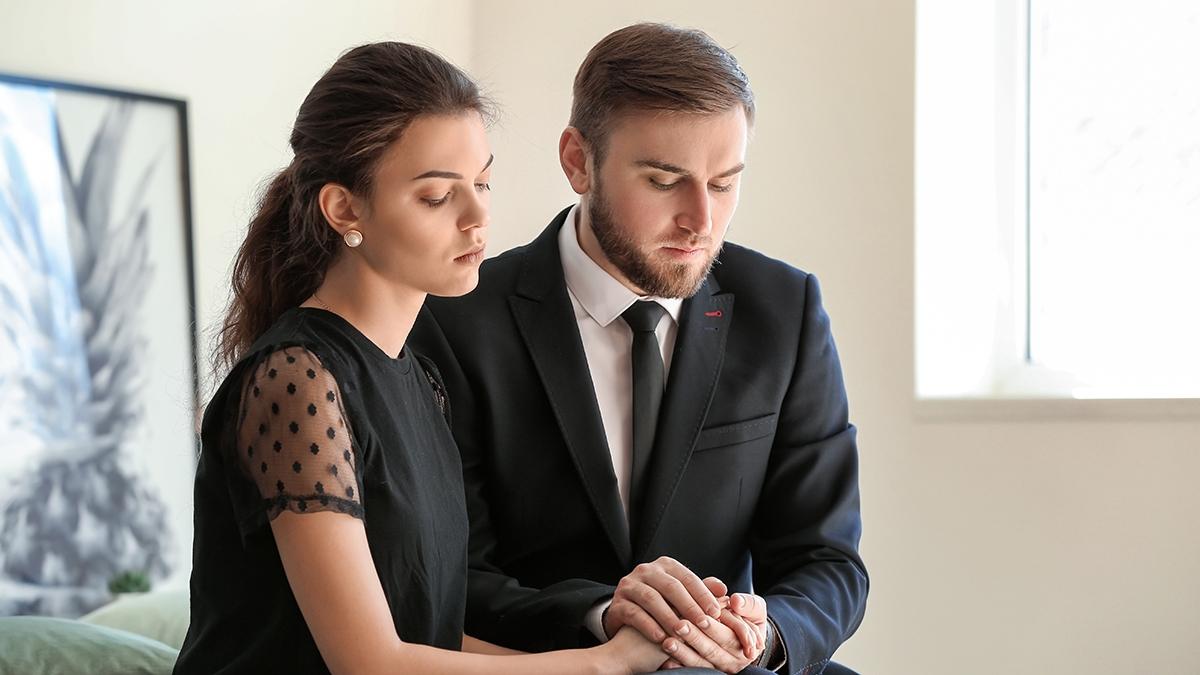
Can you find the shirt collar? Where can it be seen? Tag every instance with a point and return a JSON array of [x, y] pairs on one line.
[[598, 292]]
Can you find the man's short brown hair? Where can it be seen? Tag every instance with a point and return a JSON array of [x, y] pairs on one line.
[[655, 67]]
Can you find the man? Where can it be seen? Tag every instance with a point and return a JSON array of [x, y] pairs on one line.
[[635, 443]]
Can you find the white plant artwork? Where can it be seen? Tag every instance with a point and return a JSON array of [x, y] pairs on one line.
[[78, 506]]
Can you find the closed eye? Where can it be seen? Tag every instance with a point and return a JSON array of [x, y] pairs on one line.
[[435, 202]]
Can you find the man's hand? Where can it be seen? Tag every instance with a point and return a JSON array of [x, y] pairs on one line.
[[656, 595]]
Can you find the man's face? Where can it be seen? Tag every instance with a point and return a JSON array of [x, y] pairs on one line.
[[662, 198]]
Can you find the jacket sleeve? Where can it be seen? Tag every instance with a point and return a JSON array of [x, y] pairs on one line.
[[807, 525]]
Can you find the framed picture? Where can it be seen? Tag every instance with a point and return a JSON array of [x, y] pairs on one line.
[[98, 347]]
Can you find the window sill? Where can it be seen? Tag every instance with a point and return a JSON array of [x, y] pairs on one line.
[[1054, 409]]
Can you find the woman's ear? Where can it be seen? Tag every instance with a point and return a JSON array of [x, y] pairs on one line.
[[573, 154], [339, 207]]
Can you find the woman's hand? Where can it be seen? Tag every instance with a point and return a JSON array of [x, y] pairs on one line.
[[628, 653], [720, 645]]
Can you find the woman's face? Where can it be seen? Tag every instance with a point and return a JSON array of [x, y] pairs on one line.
[[426, 224]]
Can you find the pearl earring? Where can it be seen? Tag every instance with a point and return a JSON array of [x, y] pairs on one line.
[[353, 238]]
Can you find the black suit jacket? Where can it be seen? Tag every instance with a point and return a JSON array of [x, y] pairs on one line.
[[753, 477]]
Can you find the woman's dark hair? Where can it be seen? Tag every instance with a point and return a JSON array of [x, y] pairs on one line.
[[358, 108]]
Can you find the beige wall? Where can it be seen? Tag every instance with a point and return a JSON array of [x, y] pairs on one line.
[[994, 547]]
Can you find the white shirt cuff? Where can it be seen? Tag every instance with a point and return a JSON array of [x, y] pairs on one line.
[[594, 620]]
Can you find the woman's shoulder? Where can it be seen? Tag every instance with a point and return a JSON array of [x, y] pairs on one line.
[[302, 327], [297, 336]]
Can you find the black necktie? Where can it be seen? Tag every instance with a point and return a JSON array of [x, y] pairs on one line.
[[648, 384]]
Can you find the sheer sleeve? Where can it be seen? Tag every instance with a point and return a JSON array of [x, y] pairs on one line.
[[292, 437]]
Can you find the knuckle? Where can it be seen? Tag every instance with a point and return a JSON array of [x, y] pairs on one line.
[[676, 585], [646, 626], [686, 655]]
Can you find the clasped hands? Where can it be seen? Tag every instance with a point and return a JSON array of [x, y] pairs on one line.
[[694, 620]]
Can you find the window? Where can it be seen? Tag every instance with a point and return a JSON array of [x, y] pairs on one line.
[[1058, 199]]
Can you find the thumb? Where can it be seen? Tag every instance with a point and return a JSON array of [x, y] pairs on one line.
[[749, 606]]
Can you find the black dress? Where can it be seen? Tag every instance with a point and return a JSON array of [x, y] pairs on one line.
[[317, 418]]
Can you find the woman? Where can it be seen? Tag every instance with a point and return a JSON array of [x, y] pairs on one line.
[[331, 531]]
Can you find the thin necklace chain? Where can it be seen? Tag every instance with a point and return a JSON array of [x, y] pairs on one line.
[[322, 303]]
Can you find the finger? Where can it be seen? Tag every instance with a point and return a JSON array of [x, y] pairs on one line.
[[708, 649], [746, 635], [699, 590], [651, 602], [670, 664], [679, 597], [752, 609], [682, 654], [716, 586], [626, 613], [698, 594], [725, 633], [749, 606]]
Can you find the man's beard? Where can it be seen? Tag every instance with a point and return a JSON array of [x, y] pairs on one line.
[[660, 279]]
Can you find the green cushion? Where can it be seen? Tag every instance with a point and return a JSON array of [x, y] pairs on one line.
[[39, 645], [159, 615]]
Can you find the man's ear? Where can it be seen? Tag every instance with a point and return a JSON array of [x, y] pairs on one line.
[[574, 154], [340, 208]]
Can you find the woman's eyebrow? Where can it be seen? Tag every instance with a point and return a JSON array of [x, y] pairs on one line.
[[436, 173]]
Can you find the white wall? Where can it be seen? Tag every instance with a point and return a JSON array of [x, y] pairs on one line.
[[994, 547]]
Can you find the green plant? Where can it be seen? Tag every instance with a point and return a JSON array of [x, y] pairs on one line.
[[129, 582]]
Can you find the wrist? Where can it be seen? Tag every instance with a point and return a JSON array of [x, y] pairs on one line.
[[764, 657], [774, 656], [607, 660]]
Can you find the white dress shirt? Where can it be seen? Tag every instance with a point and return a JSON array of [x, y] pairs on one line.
[[598, 300]]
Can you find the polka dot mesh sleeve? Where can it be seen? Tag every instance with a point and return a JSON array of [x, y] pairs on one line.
[[293, 438]]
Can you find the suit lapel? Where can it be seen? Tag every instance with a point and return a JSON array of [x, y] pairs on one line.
[[544, 315], [695, 367]]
